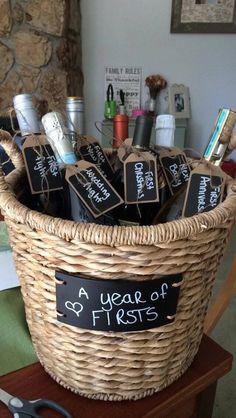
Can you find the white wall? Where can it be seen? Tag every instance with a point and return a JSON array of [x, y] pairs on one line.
[[9, 276], [137, 32]]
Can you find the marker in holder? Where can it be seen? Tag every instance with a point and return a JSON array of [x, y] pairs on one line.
[[110, 104]]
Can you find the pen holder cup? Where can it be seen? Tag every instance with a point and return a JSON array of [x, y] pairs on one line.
[[113, 365]]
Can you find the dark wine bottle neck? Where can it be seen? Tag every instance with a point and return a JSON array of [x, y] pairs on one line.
[[140, 148], [142, 131]]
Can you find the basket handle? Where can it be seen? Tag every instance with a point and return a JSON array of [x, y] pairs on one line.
[[10, 147]]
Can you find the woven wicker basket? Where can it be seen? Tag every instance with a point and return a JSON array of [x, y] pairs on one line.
[[113, 365]]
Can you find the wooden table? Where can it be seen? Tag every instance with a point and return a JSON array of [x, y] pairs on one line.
[[192, 396]]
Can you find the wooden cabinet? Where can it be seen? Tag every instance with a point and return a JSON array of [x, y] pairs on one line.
[[191, 396]]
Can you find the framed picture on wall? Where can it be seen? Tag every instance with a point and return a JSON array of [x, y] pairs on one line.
[[203, 16], [179, 101]]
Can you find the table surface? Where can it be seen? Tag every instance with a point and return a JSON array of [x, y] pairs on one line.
[[211, 363]]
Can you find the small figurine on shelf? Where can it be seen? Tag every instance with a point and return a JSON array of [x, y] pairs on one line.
[[155, 84]]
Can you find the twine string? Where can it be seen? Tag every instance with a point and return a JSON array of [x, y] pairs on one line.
[[3, 163], [11, 111]]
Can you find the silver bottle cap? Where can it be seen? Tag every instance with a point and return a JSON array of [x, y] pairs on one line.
[[75, 114], [26, 114], [59, 138]]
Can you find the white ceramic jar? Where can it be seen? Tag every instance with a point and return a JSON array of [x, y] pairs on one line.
[[165, 130]]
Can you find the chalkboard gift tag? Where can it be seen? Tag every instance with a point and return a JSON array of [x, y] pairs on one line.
[[92, 187], [116, 305], [205, 189], [140, 178], [90, 150], [41, 165], [175, 167]]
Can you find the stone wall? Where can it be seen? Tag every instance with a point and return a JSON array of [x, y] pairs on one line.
[[40, 51]]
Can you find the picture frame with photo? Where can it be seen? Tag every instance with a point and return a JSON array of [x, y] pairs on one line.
[[203, 16], [179, 101]]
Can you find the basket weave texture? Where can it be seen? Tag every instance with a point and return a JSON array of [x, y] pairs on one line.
[[113, 365]]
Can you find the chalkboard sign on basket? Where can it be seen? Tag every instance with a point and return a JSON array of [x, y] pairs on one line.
[[116, 305]]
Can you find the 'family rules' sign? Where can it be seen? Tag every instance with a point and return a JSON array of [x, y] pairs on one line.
[[116, 305], [127, 79]]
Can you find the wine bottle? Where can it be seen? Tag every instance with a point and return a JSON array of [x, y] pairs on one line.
[[135, 213], [58, 136], [167, 191], [172, 208], [50, 202], [164, 195], [143, 213], [219, 145]]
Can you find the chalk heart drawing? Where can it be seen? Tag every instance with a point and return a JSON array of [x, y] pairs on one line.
[[76, 307]]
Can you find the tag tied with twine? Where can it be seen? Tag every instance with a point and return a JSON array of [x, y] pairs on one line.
[[92, 187], [205, 189], [41, 165]]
